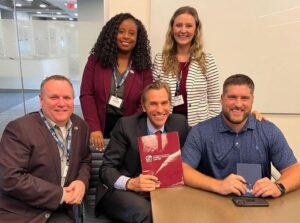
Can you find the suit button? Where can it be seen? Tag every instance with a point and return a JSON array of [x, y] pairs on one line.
[[47, 215]]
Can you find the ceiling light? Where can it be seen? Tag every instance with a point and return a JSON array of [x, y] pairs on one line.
[[18, 5], [54, 18], [71, 19], [70, 5], [38, 12], [43, 5], [58, 13], [29, 0]]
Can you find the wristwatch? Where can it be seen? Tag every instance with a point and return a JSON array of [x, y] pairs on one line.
[[281, 188]]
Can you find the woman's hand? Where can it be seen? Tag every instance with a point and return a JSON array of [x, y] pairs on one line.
[[97, 141], [259, 116]]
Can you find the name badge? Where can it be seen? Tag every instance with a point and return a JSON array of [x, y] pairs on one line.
[[115, 101], [178, 100]]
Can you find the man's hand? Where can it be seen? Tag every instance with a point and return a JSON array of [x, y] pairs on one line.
[[67, 195], [143, 183], [97, 140], [232, 184], [265, 187], [74, 193]]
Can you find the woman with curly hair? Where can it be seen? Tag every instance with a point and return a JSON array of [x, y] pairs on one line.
[[117, 70], [191, 73]]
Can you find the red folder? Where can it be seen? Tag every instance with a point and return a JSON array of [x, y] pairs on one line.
[[161, 156]]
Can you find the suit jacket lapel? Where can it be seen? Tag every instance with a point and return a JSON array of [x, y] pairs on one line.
[[191, 75], [73, 148], [142, 128], [107, 76], [55, 157], [169, 127], [129, 83]]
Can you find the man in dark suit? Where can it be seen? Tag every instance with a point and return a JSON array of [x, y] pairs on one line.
[[45, 159], [127, 190]]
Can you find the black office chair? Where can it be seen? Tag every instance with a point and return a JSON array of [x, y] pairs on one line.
[[86, 211], [89, 200]]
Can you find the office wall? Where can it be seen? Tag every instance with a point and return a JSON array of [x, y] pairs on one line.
[[259, 38], [139, 9], [290, 126]]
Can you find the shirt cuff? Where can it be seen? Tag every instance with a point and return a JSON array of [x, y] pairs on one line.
[[121, 182]]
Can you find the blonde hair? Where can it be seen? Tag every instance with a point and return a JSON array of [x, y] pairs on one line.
[[170, 62]]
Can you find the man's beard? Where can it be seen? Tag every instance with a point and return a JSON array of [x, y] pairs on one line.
[[232, 120]]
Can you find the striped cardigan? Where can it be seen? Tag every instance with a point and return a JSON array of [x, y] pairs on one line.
[[203, 92]]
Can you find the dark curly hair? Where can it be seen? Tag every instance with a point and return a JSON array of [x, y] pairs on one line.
[[106, 50]]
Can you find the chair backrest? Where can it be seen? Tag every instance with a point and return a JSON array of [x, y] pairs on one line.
[[95, 166], [89, 200]]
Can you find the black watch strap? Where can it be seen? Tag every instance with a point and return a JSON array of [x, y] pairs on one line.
[[280, 187]]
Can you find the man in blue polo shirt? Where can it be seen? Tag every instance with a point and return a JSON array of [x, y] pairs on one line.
[[214, 147]]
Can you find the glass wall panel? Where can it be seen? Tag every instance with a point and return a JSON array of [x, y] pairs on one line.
[[50, 47], [11, 93], [35, 42]]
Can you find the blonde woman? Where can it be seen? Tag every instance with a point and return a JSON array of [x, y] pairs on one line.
[[191, 73]]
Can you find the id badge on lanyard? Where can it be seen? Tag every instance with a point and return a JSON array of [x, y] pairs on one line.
[[178, 100], [114, 100], [65, 150]]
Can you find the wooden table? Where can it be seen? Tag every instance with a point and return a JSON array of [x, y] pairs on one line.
[[189, 205]]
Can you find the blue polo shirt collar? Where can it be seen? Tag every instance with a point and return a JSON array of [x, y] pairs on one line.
[[223, 127]]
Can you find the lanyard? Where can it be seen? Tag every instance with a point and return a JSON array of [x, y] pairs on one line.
[[121, 82], [180, 76], [66, 151]]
